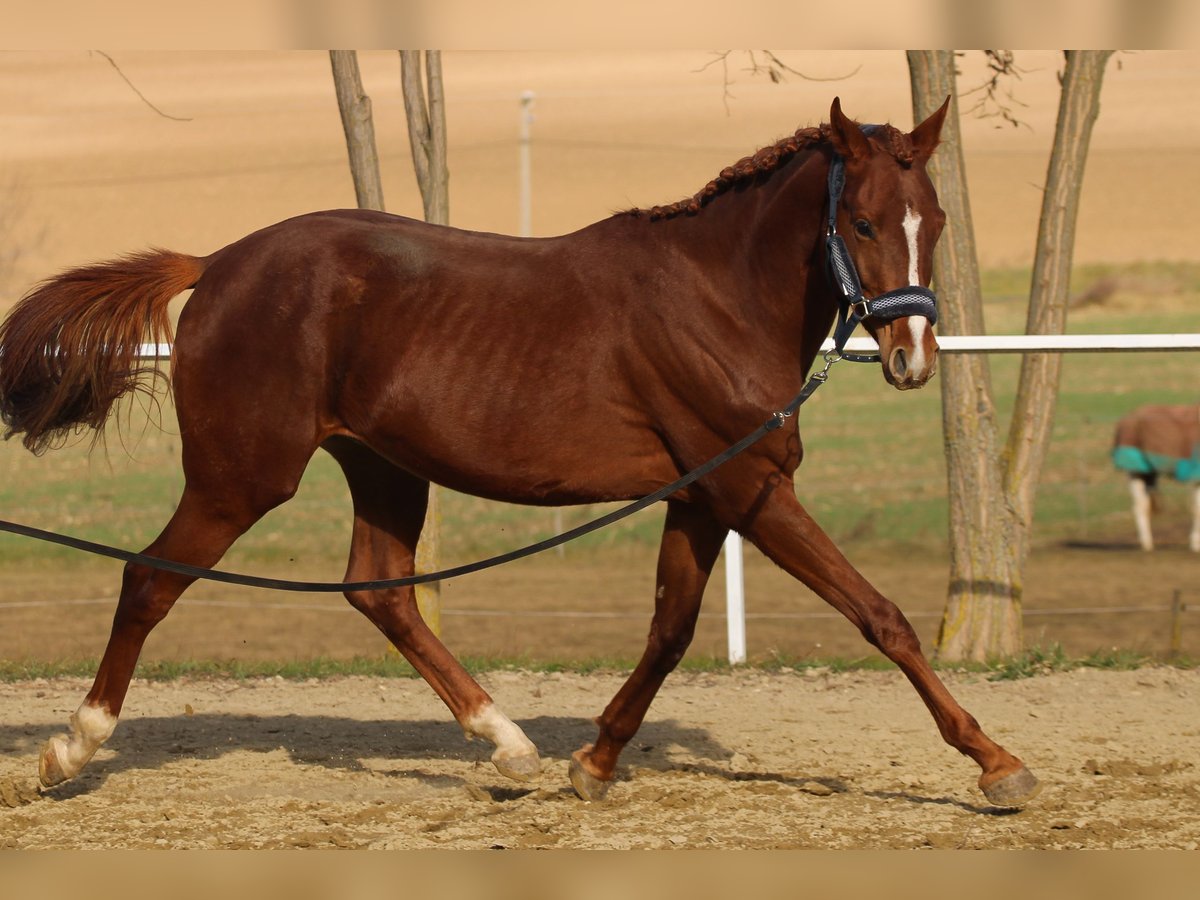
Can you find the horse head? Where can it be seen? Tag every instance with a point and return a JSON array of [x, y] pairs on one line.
[[890, 219]]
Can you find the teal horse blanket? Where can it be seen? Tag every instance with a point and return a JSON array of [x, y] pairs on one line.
[[1137, 461]]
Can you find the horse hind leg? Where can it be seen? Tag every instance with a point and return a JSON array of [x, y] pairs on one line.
[[201, 530], [690, 545], [389, 511]]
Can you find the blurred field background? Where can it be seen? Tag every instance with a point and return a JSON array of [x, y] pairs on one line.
[[90, 171]]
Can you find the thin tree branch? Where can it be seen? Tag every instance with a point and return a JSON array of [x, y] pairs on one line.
[[1004, 70], [133, 87], [773, 67]]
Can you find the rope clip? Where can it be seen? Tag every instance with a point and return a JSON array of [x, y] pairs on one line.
[[830, 357]]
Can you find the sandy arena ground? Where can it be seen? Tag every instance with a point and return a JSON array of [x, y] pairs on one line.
[[748, 760]]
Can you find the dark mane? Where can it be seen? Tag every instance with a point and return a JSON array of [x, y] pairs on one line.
[[767, 160]]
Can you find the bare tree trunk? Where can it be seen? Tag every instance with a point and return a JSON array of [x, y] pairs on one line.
[[982, 606], [425, 108], [992, 498], [1037, 394], [355, 107], [425, 111]]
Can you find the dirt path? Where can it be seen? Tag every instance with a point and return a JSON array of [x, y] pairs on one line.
[[750, 760]]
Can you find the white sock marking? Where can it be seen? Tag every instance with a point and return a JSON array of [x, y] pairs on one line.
[[498, 728], [91, 726]]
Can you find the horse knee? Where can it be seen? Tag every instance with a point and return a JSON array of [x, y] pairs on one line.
[[397, 609], [366, 602], [146, 597], [892, 634], [668, 645]]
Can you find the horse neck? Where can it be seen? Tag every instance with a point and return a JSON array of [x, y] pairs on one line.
[[770, 235]]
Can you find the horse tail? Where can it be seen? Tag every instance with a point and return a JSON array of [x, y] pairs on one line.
[[70, 347]]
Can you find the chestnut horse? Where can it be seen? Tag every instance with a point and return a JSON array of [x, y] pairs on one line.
[[1159, 440], [593, 366]]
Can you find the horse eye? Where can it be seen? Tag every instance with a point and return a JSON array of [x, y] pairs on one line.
[[863, 227]]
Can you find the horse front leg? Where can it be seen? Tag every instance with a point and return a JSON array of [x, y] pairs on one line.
[[690, 545], [785, 532]]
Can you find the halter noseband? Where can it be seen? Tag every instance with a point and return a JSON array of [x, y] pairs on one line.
[[853, 307]]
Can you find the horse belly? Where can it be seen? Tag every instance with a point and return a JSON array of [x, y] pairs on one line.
[[544, 458]]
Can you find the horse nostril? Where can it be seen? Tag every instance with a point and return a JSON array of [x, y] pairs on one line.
[[899, 363]]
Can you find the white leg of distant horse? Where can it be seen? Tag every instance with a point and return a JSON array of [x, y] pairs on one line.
[[1194, 539], [1141, 511]]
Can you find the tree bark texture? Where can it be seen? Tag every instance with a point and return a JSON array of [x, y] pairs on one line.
[[355, 107], [425, 110], [982, 615], [1037, 392], [358, 124], [991, 495]]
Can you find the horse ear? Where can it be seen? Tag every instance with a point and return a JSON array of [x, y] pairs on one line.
[[845, 135], [926, 136]]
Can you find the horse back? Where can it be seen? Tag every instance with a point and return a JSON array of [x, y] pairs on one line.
[[455, 354]]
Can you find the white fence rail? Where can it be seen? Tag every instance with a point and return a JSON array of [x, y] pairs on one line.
[[735, 608], [1043, 343], [1001, 343], [985, 343]]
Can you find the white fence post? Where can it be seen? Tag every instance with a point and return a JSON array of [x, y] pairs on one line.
[[524, 140], [735, 598]]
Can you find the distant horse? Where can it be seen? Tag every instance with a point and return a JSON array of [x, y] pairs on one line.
[[1159, 440], [593, 366]]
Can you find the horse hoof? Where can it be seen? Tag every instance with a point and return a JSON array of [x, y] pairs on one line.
[[519, 768], [586, 785], [50, 769], [1016, 789]]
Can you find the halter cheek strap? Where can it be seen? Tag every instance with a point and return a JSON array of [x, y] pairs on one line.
[[853, 307]]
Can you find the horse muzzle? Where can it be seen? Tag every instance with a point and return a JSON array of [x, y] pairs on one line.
[[901, 321], [908, 351]]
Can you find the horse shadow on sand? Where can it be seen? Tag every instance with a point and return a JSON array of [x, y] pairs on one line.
[[342, 744]]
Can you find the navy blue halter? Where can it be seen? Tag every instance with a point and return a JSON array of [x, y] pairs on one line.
[[853, 307]]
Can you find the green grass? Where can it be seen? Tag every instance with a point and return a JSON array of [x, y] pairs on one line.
[[1044, 660], [1031, 663]]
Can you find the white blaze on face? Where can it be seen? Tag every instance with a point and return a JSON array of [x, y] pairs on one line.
[[916, 324], [912, 227]]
